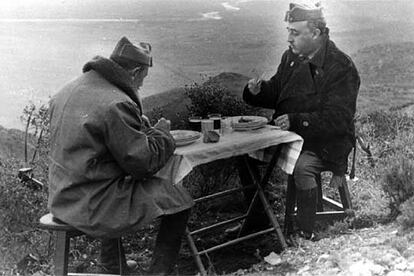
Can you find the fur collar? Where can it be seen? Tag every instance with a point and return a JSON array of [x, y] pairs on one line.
[[114, 74]]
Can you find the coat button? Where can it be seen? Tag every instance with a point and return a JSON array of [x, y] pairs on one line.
[[292, 63], [305, 123]]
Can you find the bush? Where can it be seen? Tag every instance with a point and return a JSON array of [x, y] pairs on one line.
[[398, 183], [386, 125], [406, 218], [212, 98]]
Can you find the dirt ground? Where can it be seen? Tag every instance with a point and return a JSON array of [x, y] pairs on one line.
[[379, 250]]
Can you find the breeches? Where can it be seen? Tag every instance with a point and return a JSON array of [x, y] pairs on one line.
[[308, 167]]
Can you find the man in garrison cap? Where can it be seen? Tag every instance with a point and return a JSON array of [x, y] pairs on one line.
[[103, 157], [313, 93]]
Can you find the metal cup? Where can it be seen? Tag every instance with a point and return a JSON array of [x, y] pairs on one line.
[[216, 117], [225, 125], [195, 123], [206, 125]]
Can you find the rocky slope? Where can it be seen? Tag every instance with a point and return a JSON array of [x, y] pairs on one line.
[[381, 250]]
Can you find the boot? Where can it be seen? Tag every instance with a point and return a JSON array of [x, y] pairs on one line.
[[112, 257], [168, 243], [306, 212]]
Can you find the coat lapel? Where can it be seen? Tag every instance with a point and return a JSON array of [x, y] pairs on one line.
[[299, 84]]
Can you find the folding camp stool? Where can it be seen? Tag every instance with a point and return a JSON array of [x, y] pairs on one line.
[[64, 233], [340, 210], [259, 184]]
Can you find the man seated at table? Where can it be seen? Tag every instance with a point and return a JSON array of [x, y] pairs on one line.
[[103, 156], [314, 94]]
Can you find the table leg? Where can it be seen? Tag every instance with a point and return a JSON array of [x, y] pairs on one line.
[[273, 220], [260, 183], [196, 254]]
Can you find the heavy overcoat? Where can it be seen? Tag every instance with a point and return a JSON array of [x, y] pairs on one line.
[[103, 156], [319, 95]]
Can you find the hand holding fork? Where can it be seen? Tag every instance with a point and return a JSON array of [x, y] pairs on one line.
[[254, 84]]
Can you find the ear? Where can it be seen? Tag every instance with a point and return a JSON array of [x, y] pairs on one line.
[[135, 71], [316, 33]]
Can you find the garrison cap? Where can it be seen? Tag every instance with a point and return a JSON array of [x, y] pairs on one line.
[[299, 12], [128, 54]]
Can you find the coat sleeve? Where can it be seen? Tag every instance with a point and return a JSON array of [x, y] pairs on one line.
[[337, 107], [139, 151], [269, 90]]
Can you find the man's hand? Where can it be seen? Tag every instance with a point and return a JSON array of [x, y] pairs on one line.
[[254, 86], [163, 124], [283, 122], [337, 181]]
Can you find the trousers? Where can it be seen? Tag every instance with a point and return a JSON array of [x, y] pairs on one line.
[[307, 168]]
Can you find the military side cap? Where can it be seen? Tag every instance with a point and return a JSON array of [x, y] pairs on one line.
[[299, 12], [126, 53]]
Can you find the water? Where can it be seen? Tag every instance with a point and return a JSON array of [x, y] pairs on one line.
[[43, 48]]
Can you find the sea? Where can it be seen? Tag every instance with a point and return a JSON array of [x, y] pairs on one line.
[[44, 44]]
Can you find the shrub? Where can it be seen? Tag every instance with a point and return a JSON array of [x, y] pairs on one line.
[[398, 182], [388, 124], [406, 218], [212, 98]]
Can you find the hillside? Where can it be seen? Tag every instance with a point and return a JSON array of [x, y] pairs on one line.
[[387, 76], [12, 143]]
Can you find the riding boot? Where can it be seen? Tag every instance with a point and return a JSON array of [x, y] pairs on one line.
[[306, 210], [168, 243], [112, 256]]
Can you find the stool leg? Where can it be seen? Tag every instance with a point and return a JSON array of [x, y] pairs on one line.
[[62, 253], [345, 195], [290, 205], [319, 206], [121, 258]]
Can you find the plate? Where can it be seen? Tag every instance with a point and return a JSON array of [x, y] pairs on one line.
[[249, 128], [185, 137], [248, 122], [184, 143]]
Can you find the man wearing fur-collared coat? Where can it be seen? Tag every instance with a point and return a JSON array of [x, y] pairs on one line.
[[314, 94], [103, 157]]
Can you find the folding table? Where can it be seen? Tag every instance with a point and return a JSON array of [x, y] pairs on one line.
[[269, 144]]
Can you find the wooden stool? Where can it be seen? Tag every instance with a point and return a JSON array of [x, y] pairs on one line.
[[340, 209], [64, 233]]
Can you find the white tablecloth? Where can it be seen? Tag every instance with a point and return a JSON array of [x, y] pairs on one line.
[[255, 143]]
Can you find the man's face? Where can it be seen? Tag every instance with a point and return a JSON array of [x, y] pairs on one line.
[[301, 38]]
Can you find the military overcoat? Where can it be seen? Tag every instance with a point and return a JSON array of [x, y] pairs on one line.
[[319, 95], [103, 156]]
